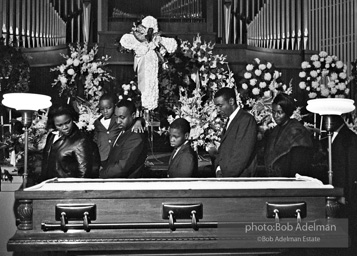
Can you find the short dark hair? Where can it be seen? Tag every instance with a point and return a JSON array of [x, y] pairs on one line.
[[59, 110], [227, 93], [181, 124], [286, 102], [128, 104], [109, 96]]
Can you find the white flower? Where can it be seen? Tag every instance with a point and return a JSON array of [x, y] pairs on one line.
[[74, 55], [257, 72], [317, 64], [302, 74], [63, 80], [267, 76], [325, 92], [262, 84], [331, 84], [305, 64], [70, 71], [269, 65], [342, 75], [312, 95], [244, 86], [255, 91], [339, 64], [267, 93], [262, 66], [314, 57], [302, 85], [313, 73], [323, 54], [253, 82], [314, 84], [85, 58], [76, 62], [333, 90], [133, 87], [342, 86], [247, 75], [212, 76], [328, 60], [120, 97], [333, 76], [257, 60], [249, 67]]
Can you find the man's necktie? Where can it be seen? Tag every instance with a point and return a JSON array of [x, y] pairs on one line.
[[225, 127]]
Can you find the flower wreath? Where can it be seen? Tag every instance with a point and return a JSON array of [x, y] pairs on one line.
[[261, 83], [324, 76]]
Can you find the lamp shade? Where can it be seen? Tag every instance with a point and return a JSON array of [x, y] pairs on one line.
[[330, 106], [26, 101]]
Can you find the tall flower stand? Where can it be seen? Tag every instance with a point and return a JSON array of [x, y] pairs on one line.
[[328, 108]]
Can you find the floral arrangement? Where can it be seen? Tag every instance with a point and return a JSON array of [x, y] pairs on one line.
[[83, 69], [14, 70], [130, 92], [195, 73], [206, 124], [260, 80], [87, 116], [191, 63], [261, 83], [149, 47], [324, 76]]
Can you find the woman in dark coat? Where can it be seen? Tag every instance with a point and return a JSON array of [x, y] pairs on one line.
[[68, 152], [289, 146]]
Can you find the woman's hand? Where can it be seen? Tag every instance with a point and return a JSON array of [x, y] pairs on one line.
[[137, 127]]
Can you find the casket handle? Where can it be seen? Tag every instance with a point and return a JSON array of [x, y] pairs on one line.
[[172, 221], [276, 211], [86, 221], [194, 220], [64, 221], [298, 215], [173, 211], [279, 210]]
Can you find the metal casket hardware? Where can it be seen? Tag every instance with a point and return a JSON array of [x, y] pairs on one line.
[[286, 210], [173, 212], [68, 212]]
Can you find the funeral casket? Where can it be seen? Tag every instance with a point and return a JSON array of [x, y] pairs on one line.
[[163, 216]]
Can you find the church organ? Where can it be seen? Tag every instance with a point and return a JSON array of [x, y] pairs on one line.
[[316, 25]]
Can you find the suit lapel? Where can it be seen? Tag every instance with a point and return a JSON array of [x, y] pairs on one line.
[[234, 121]]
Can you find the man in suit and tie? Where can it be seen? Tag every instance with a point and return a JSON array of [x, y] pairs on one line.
[[183, 161], [127, 156], [237, 152]]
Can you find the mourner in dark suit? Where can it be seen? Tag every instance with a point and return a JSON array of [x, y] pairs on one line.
[[106, 128], [127, 156], [68, 152], [344, 167], [289, 147], [183, 161], [237, 152]]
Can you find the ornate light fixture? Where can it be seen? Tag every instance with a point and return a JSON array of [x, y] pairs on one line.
[[328, 108], [26, 103]]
